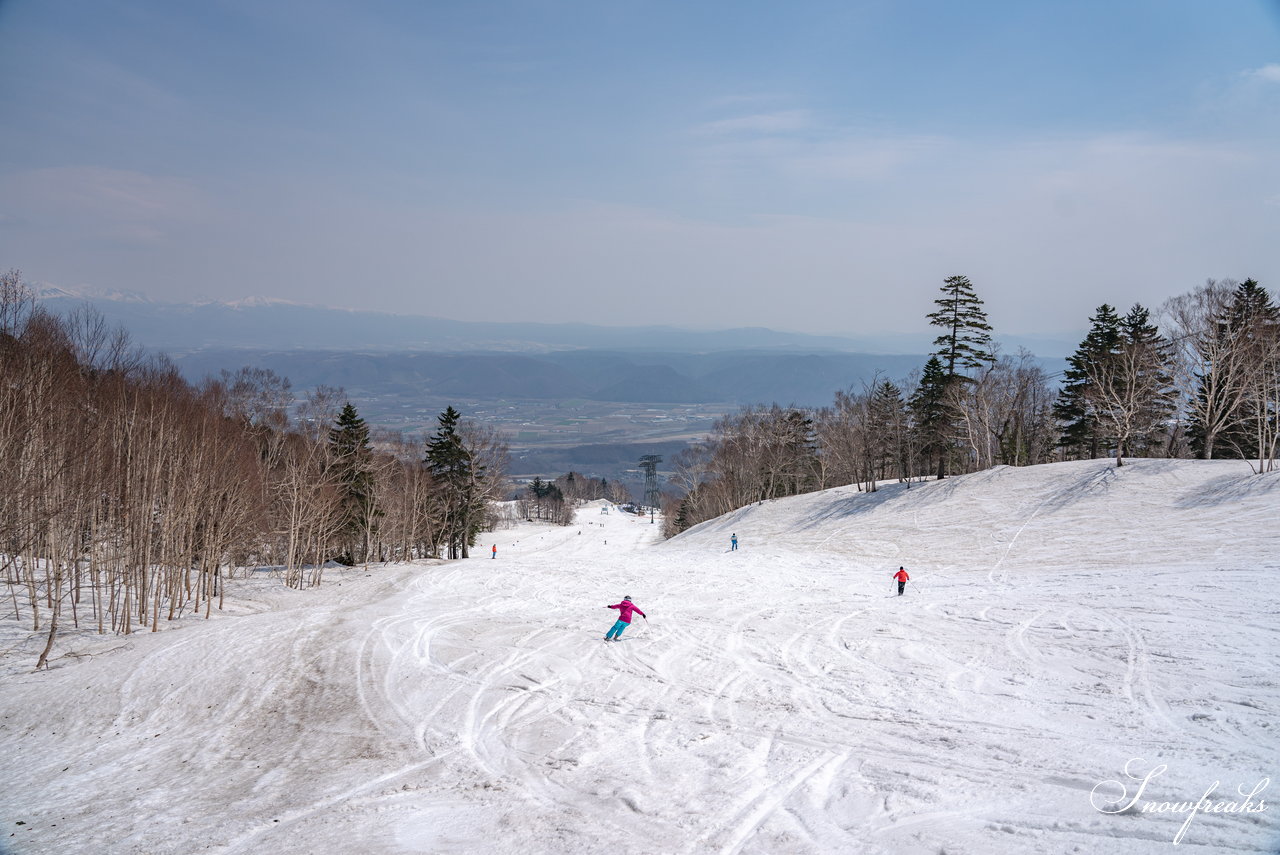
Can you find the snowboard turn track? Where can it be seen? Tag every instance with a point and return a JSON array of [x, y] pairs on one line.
[[1068, 619]]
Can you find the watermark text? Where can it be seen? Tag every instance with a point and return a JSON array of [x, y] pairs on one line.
[[1248, 802]]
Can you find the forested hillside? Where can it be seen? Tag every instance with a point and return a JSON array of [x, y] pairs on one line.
[[130, 493]]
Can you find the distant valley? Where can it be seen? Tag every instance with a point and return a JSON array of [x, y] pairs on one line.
[[671, 378], [568, 396], [579, 409]]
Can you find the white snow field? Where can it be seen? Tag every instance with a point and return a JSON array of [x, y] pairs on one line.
[[1065, 622]]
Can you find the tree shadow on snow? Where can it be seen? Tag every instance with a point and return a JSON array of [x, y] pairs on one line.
[[1229, 489]]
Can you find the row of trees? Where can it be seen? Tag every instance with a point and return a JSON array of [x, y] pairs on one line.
[[1210, 388], [555, 501], [131, 493], [545, 501], [1207, 387], [577, 487], [1226, 346]]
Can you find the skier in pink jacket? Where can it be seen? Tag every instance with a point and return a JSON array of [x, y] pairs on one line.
[[625, 608]]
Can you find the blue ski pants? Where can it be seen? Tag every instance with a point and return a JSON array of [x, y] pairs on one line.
[[615, 631]]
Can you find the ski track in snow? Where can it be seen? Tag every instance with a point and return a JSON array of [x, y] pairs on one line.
[[781, 698]]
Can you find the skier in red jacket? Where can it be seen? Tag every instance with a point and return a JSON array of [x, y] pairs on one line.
[[902, 578], [625, 608]]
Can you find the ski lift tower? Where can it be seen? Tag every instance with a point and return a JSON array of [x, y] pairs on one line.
[[649, 465]]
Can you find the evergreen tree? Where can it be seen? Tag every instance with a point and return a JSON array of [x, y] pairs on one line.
[[887, 423], [547, 498], [1075, 410], [965, 344], [558, 510], [537, 491], [1149, 376], [1252, 305], [966, 338], [351, 467], [349, 433], [933, 419], [684, 516], [456, 474]]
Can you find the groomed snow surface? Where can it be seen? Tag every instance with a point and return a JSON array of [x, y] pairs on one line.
[[1064, 622]]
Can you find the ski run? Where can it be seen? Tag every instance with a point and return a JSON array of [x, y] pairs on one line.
[[1082, 653]]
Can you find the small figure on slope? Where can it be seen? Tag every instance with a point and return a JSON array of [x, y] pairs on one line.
[[733, 542], [625, 608], [902, 578]]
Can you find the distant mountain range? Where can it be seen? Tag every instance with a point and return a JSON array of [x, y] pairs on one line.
[[379, 357], [258, 322], [265, 323]]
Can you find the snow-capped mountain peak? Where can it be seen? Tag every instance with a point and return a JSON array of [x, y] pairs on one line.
[[257, 302], [46, 291]]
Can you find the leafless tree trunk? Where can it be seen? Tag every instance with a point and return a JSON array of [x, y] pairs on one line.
[[1211, 365]]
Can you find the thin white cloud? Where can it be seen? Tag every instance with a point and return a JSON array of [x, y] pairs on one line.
[[757, 99], [809, 161], [781, 122], [1268, 73], [121, 204]]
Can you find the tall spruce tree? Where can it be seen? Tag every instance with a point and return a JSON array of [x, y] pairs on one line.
[[1081, 434], [350, 455], [543, 495], [456, 473], [1148, 376], [1250, 305], [932, 416], [887, 423], [966, 338], [965, 344]]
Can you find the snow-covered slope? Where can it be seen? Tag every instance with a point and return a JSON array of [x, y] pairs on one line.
[[1064, 622]]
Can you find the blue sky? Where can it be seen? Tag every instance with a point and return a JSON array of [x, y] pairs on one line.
[[807, 166]]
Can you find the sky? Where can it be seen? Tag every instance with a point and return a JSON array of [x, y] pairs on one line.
[[809, 166]]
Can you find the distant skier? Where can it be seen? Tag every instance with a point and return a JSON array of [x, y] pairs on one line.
[[625, 608], [495, 550], [733, 542], [902, 578]]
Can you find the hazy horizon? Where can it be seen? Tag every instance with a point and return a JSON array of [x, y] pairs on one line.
[[817, 168], [127, 309]]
